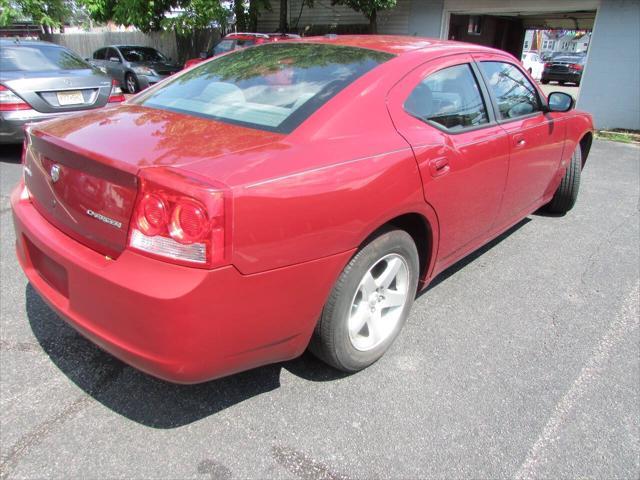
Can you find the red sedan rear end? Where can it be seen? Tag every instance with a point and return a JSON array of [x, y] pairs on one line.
[[291, 195]]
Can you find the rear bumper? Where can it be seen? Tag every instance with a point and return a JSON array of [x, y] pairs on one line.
[[181, 324], [562, 77], [12, 123]]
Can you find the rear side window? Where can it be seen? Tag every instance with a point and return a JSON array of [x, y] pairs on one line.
[[514, 93], [272, 87], [450, 98], [39, 58]]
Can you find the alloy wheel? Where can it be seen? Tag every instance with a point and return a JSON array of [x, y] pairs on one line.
[[377, 305]]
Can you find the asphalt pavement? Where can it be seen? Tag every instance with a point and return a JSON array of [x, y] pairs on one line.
[[522, 361]]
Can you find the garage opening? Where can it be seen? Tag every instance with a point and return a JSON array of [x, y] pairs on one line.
[[553, 46]]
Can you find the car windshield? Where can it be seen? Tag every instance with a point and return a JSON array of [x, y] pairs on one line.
[[272, 87], [39, 58], [230, 44], [141, 54]]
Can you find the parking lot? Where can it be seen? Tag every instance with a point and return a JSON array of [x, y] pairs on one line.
[[522, 361]]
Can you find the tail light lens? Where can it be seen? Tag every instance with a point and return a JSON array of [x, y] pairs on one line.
[[116, 94], [10, 102], [180, 219], [575, 66], [547, 65]]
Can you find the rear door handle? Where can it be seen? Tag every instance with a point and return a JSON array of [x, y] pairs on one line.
[[439, 166]]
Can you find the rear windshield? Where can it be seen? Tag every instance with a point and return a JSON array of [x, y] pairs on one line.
[[141, 54], [272, 87], [39, 58]]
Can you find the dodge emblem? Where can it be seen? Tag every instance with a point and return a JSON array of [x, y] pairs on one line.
[[55, 173]]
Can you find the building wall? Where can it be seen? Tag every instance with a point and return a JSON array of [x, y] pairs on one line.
[[611, 81], [425, 19], [391, 22]]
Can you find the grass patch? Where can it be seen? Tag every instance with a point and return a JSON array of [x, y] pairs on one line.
[[619, 135]]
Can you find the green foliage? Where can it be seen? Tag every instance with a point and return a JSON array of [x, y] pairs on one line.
[[146, 15], [198, 14], [50, 13], [369, 8]]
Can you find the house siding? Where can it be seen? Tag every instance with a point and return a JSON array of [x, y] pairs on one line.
[[393, 22]]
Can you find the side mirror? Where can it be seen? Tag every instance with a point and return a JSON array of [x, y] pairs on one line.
[[202, 55], [560, 102], [114, 59]]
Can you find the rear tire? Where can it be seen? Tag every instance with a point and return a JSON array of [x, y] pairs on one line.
[[369, 303], [544, 81], [567, 193], [131, 83]]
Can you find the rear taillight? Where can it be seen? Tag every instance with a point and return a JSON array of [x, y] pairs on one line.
[[116, 94], [575, 66], [547, 65], [10, 102], [180, 219]]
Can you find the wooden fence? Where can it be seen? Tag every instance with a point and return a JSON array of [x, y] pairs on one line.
[[178, 48]]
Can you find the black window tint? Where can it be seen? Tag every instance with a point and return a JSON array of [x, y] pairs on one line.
[[99, 54], [515, 94], [271, 87], [112, 53], [141, 54], [450, 97]]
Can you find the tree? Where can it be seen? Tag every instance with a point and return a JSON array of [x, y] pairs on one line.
[[142, 14], [282, 24], [369, 8], [49, 14], [255, 6]]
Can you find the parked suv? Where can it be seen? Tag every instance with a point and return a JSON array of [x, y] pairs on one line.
[[234, 41], [41, 80], [135, 67]]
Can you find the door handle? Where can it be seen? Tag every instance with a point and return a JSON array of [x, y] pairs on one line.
[[519, 141], [439, 166]]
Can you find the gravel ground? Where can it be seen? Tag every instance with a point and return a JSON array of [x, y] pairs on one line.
[[522, 361]]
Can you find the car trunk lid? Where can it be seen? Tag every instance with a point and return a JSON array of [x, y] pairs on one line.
[[60, 91], [82, 172]]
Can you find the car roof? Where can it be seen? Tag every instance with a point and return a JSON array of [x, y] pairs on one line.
[[395, 44]]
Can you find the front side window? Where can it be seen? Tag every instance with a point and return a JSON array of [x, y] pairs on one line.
[[141, 54], [39, 58], [99, 54], [272, 87], [450, 98], [514, 93]]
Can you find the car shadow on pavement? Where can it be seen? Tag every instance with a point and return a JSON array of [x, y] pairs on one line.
[[472, 257], [159, 404], [141, 397]]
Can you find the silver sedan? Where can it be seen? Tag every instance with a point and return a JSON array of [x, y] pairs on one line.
[[41, 80]]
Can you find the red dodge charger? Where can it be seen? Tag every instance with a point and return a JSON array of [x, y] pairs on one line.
[[287, 196]]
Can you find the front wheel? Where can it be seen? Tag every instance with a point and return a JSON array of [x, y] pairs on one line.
[[369, 303], [567, 193], [131, 83]]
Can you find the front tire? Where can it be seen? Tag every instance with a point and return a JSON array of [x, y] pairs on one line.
[[567, 193], [131, 83], [369, 303]]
